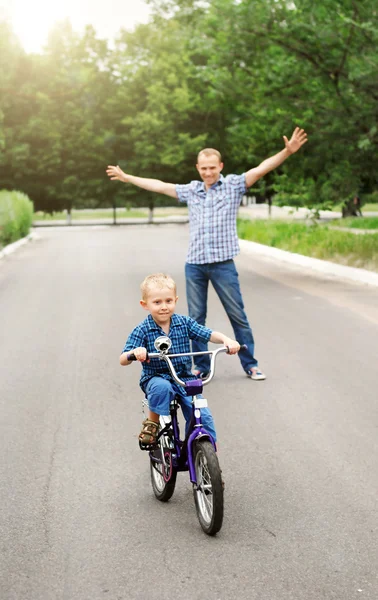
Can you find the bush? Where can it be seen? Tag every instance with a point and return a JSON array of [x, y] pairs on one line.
[[370, 198], [16, 216]]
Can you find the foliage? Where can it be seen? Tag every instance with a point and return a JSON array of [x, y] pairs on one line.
[[232, 75], [370, 198], [156, 87], [307, 64], [16, 216], [54, 134]]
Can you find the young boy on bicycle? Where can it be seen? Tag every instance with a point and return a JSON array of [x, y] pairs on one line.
[[159, 299]]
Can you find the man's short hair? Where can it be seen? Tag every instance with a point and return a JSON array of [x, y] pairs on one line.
[[210, 152], [159, 280]]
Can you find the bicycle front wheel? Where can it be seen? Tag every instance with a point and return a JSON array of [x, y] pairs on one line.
[[208, 493]]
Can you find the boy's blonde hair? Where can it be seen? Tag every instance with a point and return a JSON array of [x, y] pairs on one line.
[[160, 280], [210, 152]]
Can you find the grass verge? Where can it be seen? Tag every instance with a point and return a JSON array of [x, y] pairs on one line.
[[315, 241], [78, 215], [88, 215], [368, 207], [357, 222]]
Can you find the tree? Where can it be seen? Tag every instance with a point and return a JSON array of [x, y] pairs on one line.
[[58, 132], [280, 64], [155, 88], [234, 75]]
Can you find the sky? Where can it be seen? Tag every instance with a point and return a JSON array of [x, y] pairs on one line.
[[31, 20]]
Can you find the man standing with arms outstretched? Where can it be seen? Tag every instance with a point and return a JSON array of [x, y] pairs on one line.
[[213, 207]]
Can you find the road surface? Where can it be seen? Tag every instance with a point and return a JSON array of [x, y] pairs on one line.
[[299, 451]]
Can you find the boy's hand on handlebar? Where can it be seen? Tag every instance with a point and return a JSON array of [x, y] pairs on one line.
[[140, 354], [219, 338], [232, 345]]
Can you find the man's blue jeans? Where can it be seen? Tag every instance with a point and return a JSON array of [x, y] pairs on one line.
[[225, 280]]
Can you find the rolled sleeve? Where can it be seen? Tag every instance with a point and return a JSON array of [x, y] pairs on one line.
[[183, 192], [238, 182], [198, 332], [136, 339]]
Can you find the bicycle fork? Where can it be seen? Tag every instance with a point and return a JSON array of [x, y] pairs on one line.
[[198, 431]]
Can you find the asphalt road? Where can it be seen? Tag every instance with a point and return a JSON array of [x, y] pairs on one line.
[[78, 519]]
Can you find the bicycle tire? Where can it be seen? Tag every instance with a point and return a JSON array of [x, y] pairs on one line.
[[208, 493], [163, 480]]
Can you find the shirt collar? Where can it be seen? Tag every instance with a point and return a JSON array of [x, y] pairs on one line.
[[214, 186], [152, 325]]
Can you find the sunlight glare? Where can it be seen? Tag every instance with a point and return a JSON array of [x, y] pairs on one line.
[[32, 20]]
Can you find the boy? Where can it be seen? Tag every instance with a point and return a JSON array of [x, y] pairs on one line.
[[159, 299]]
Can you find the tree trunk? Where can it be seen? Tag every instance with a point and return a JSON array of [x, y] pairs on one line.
[[270, 207], [68, 216], [151, 211]]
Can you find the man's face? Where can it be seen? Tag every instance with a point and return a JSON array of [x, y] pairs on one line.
[[209, 168]]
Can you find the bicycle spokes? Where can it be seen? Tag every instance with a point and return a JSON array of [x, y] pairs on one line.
[[163, 472], [208, 491], [204, 488]]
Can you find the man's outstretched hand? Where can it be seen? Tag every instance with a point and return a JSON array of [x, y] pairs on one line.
[[116, 173], [297, 140]]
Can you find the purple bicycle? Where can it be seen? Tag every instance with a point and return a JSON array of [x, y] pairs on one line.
[[196, 453]]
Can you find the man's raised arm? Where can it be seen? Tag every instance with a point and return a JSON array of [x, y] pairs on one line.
[[297, 140], [152, 185]]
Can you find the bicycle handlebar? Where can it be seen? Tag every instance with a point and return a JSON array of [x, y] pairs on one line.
[[167, 358]]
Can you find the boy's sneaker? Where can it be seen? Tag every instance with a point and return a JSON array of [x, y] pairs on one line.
[[200, 374], [255, 374]]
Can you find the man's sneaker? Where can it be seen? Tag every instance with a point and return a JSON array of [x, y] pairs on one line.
[[255, 374], [200, 374]]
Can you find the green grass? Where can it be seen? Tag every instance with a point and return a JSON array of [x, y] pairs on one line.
[[78, 215], [171, 211], [368, 207], [357, 222], [87, 215], [315, 241]]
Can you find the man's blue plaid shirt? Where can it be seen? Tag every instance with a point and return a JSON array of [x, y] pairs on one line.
[[182, 329], [212, 218]]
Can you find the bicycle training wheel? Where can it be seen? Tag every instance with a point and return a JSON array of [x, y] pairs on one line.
[[163, 473], [208, 493]]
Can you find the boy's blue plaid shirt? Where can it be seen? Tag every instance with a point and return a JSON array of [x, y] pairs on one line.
[[182, 329]]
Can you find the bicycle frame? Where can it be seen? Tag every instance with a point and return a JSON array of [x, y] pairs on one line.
[[184, 454]]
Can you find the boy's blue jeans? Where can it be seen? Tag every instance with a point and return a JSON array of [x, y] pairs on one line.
[[160, 392], [225, 280]]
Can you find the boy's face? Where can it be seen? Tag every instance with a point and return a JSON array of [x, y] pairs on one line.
[[161, 304], [209, 168]]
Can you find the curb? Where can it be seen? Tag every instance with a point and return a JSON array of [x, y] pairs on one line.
[[315, 264], [12, 247]]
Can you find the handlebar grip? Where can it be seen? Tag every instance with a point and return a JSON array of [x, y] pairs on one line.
[[131, 356], [241, 349]]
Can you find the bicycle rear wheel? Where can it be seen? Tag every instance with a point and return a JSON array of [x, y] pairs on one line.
[[163, 473], [208, 493]]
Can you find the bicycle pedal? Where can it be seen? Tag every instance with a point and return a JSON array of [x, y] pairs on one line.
[[148, 447]]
